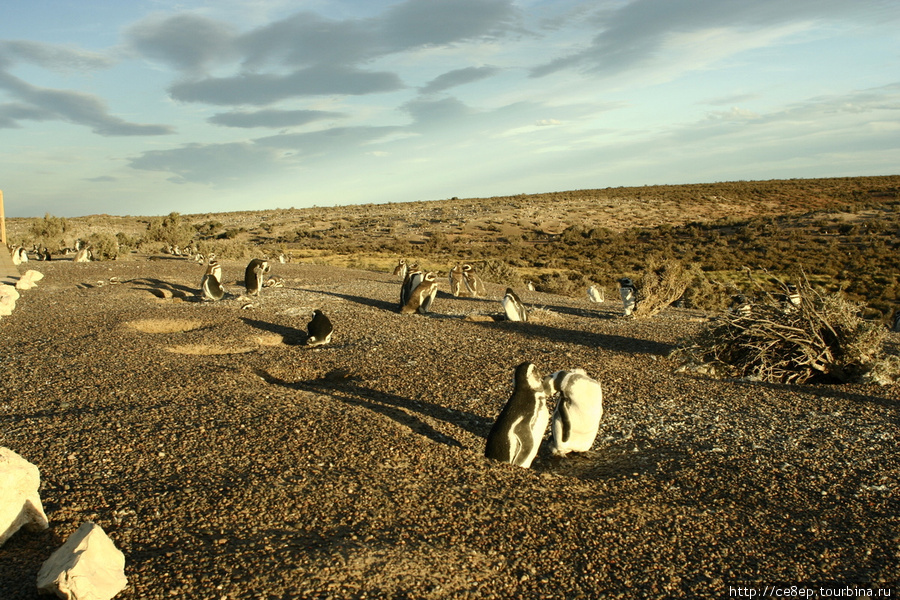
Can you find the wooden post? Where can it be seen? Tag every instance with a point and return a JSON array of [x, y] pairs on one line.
[[2, 220]]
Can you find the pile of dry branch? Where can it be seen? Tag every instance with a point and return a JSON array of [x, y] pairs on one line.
[[820, 339], [659, 286]]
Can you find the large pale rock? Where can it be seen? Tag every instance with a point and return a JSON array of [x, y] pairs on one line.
[[8, 297], [88, 566], [29, 279], [20, 503]]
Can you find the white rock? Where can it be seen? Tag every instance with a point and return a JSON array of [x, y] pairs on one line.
[[29, 279], [8, 297], [20, 503], [88, 566]]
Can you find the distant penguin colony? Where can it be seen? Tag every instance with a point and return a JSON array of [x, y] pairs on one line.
[[254, 275], [420, 298], [517, 433], [576, 418], [514, 308], [319, 330], [628, 293], [211, 284]]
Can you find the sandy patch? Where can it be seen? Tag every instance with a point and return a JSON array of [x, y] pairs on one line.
[[164, 325]]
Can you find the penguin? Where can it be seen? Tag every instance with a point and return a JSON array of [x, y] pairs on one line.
[[274, 282], [457, 284], [516, 435], [529, 286], [628, 292], [211, 284], [515, 310], [576, 418], [896, 324], [595, 294], [410, 283], [254, 274], [741, 305], [83, 255], [400, 269], [319, 329], [422, 296], [473, 282]]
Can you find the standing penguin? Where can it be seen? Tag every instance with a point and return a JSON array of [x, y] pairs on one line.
[[457, 285], [410, 283], [628, 292], [595, 294], [211, 284], [319, 329], [517, 433], [400, 269], [253, 276], [422, 296], [515, 310], [473, 282], [578, 412]]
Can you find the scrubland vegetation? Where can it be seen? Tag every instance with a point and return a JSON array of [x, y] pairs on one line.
[[841, 234]]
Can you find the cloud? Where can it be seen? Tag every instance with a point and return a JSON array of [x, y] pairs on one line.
[[547, 122], [306, 54], [216, 164], [458, 77], [101, 179], [186, 41], [45, 104], [51, 56], [637, 33], [271, 118], [13, 112], [257, 89]]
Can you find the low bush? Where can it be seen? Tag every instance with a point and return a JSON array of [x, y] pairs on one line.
[[823, 339]]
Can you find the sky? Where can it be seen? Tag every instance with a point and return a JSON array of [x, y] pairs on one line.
[[145, 107]]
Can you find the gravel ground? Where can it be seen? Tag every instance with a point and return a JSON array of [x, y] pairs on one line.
[[227, 460]]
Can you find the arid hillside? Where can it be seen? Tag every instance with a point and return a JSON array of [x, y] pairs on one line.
[[840, 234]]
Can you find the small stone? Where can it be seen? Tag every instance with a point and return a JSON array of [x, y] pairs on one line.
[[20, 503], [88, 566]]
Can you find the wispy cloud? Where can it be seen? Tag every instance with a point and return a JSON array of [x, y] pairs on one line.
[[272, 118], [457, 77]]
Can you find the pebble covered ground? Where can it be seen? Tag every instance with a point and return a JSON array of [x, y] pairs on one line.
[[227, 460]]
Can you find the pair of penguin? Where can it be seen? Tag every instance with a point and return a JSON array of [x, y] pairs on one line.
[[465, 282], [417, 292], [516, 435]]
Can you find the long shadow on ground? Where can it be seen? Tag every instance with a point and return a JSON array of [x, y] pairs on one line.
[[389, 405]]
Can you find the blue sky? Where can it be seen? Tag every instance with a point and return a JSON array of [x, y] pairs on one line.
[[153, 106]]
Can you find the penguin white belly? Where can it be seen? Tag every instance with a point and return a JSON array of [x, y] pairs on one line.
[[576, 419]]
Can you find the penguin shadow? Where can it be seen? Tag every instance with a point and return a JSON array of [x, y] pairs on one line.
[[615, 461], [158, 287], [290, 335], [586, 338], [380, 304], [575, 311], [340, 386]]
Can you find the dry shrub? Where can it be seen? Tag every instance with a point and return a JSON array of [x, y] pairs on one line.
[[497, 271], [659, 286], [823, 340]]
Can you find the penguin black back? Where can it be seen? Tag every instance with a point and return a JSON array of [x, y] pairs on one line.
[[319, 329], [517, 433]]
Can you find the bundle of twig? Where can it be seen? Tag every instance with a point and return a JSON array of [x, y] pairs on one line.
[[659, 286], [821, 338]]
